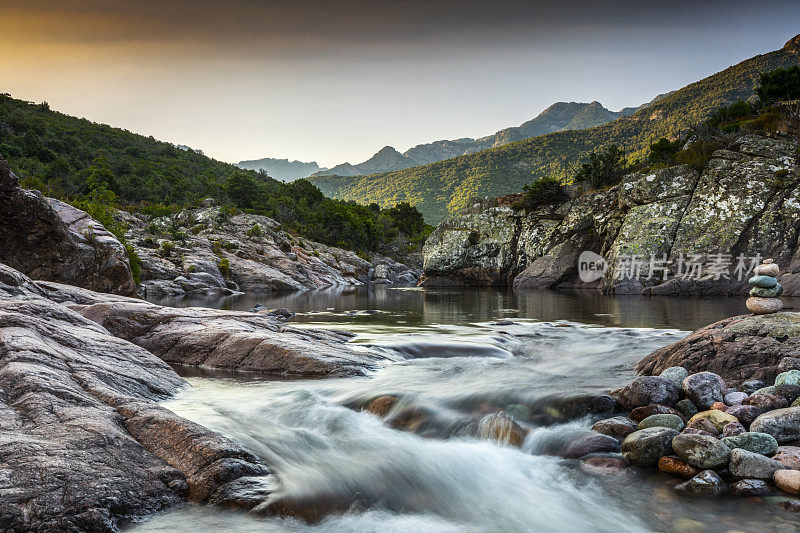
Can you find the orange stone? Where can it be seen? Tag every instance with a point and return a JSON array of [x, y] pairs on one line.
[[677, 467]]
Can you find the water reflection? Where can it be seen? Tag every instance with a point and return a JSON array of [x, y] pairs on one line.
[[420, 307]]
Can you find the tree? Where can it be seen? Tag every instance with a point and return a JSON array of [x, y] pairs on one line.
[[663, 151], [544, 191], [407, 218], [604, 168], [779, 84]]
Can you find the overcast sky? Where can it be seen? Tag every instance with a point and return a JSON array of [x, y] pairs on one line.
[[336, 81]]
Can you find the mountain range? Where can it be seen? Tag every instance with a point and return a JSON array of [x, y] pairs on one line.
[[442, 188], [281, 169], [558, 117]]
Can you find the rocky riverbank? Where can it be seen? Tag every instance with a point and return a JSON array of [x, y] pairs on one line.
[[745, 202], [85, 444], [209, 250]]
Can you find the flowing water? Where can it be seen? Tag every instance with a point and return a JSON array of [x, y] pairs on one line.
[[458, 356]]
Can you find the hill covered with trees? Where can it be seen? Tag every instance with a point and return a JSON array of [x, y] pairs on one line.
[[86, 163], [442, 188]]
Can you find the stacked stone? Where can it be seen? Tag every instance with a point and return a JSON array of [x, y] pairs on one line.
[[766, 289]]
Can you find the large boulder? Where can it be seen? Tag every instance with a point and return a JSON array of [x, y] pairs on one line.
[[704, 388], [738, 349], [50, 240], [748, 465], [701, 451]]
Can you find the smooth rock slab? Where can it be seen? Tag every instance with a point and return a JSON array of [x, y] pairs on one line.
[[701, 451], [665, 420], [760, 443], [749, 465], [704, 388], [646, 446], [783, 424], [706, 483]]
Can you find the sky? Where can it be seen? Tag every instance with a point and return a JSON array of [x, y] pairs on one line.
[[335, 81]]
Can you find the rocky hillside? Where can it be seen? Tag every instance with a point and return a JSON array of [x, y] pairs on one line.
[[560, 116], [443, 188], [745, 203], [211, 251]]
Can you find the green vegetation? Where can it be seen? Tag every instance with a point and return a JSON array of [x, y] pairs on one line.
[[780, 84], [446, 187], [603, 169], [79, 161], [255, 231], [224, 267], [662, 153], [542, 192]]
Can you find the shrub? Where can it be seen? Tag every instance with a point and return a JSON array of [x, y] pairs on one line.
[[216, 248], [766, 123], [544, 191], [697, 154], [779, 84], [727, 118], [136, 263], [166, 248], [604, 168], [663, 151], [224, 267], [255, 231]]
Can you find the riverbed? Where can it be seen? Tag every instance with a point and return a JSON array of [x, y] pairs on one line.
[[456, 356]]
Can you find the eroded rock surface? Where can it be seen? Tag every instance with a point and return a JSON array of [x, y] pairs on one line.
[[84, 444], [739, 348], [48, 239], [736, 206], [206, 251]]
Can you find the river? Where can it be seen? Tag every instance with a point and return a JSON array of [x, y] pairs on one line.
[[457, 355]]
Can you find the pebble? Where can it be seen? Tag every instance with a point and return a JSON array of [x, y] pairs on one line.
[[789, 456], [701, 451], [783, 424], [675, 374], [645, 390], [618, 427], [766, 401], [749, 487], [765, 282], [772, 292], [686, 408], [707, 483], [703, 389], [790, 392], [751, 441], [604, 465], [751, 385], [765, 390], [719, 406], [732, 429], [749, 465], [764, 306], [744, 413], [695, 431], [640, 413], [788, 480], [677, 467], [646, 446], [719, 419], [663, 420], [770, 269], [790, 377], [591, 443], [789, 363], [735, 398]]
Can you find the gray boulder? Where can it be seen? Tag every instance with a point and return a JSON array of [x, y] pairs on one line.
[[646, 446], [749, 465], [701, 451], [706, 483], [783, 424], [704, 388], [646, 390]]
